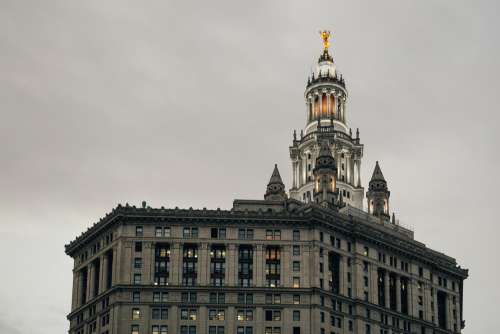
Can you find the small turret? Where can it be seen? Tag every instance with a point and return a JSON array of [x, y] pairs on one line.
[[325, 178], [275, 188], [378, 194]]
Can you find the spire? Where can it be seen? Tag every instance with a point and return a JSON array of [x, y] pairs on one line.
[[276, 177], [275, 188], [378, 194], [377, 174]]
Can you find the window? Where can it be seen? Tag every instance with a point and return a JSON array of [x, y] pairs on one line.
[[159, 313], [296, 299], [190, 232], [366, 251], [296, 330], [189, 297], [296, 235], [134, 329], [137, 278], [216, 330], [296, 251], [244, 330], [296, 266], [160, 297], [272, 315], [158, 231], [138, 263], [245, 233], [216, 314], [188, 329], [296, 282], [218, 233], [349, 246], [139, 231], [321, 237], [273, 234], [138, 246], [136, 297], [136, 314], [420, 271], [365, 279], [322, 316], [244, 315], [217, 298], [163, 329], [296, 315], [188, 314]]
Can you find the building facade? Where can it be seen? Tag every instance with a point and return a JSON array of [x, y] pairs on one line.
[[310, 261]]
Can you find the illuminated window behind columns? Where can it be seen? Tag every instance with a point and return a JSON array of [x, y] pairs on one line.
[[325, 105], [316, 106], [332, 105]]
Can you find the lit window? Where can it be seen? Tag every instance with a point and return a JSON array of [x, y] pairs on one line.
[[136, 314]]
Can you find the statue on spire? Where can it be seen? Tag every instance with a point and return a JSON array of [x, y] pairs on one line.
[[325, 35]]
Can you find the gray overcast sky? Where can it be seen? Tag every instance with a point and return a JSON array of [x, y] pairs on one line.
[[190, 104]]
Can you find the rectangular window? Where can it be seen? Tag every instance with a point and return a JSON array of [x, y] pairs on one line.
[[137, 278], [138, 247], [296, 282], [158, 231], [139, 231], [296, 315], [296, 266], [166, 232], [296, 299], [134, 329], [296, 251], [136, 297], [296, 235], [136, 314], [137, 263]]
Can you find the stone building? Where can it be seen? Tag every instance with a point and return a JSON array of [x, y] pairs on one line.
[[309, 262]]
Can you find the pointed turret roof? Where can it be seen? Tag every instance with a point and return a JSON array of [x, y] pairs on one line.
[[377, 174], [324, 149], [275, 177], [275, 187]]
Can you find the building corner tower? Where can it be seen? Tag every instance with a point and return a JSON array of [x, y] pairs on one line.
[[326, 119]]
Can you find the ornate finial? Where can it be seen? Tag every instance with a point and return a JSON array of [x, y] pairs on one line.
[[325, 35]]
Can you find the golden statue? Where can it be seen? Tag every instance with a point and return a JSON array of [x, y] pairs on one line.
[[325, 35]]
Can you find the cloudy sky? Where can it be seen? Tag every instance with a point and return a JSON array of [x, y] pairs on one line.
[[106, 102]]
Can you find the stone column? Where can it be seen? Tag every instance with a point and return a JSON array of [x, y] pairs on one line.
[[286, 272], [90, 281], [342, 276], [359, 172], [116, 260], [398, 293], [328, 105], [320, 100], [449, 315], [74, 296], [315, 105], [258, 260], [176, 264], [387, 289], [146, 263], [204, 265], [412, 299], [374, 283], [104, 273], [231, 265]]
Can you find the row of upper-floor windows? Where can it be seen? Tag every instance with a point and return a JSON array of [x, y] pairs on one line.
[[96, 247]]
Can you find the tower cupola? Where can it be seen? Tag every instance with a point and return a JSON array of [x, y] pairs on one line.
[[378, 194], [325, 92]]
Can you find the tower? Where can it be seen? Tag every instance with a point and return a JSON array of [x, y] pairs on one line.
[[325, 98], [378, 194], [325, 177], [275, 188]]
